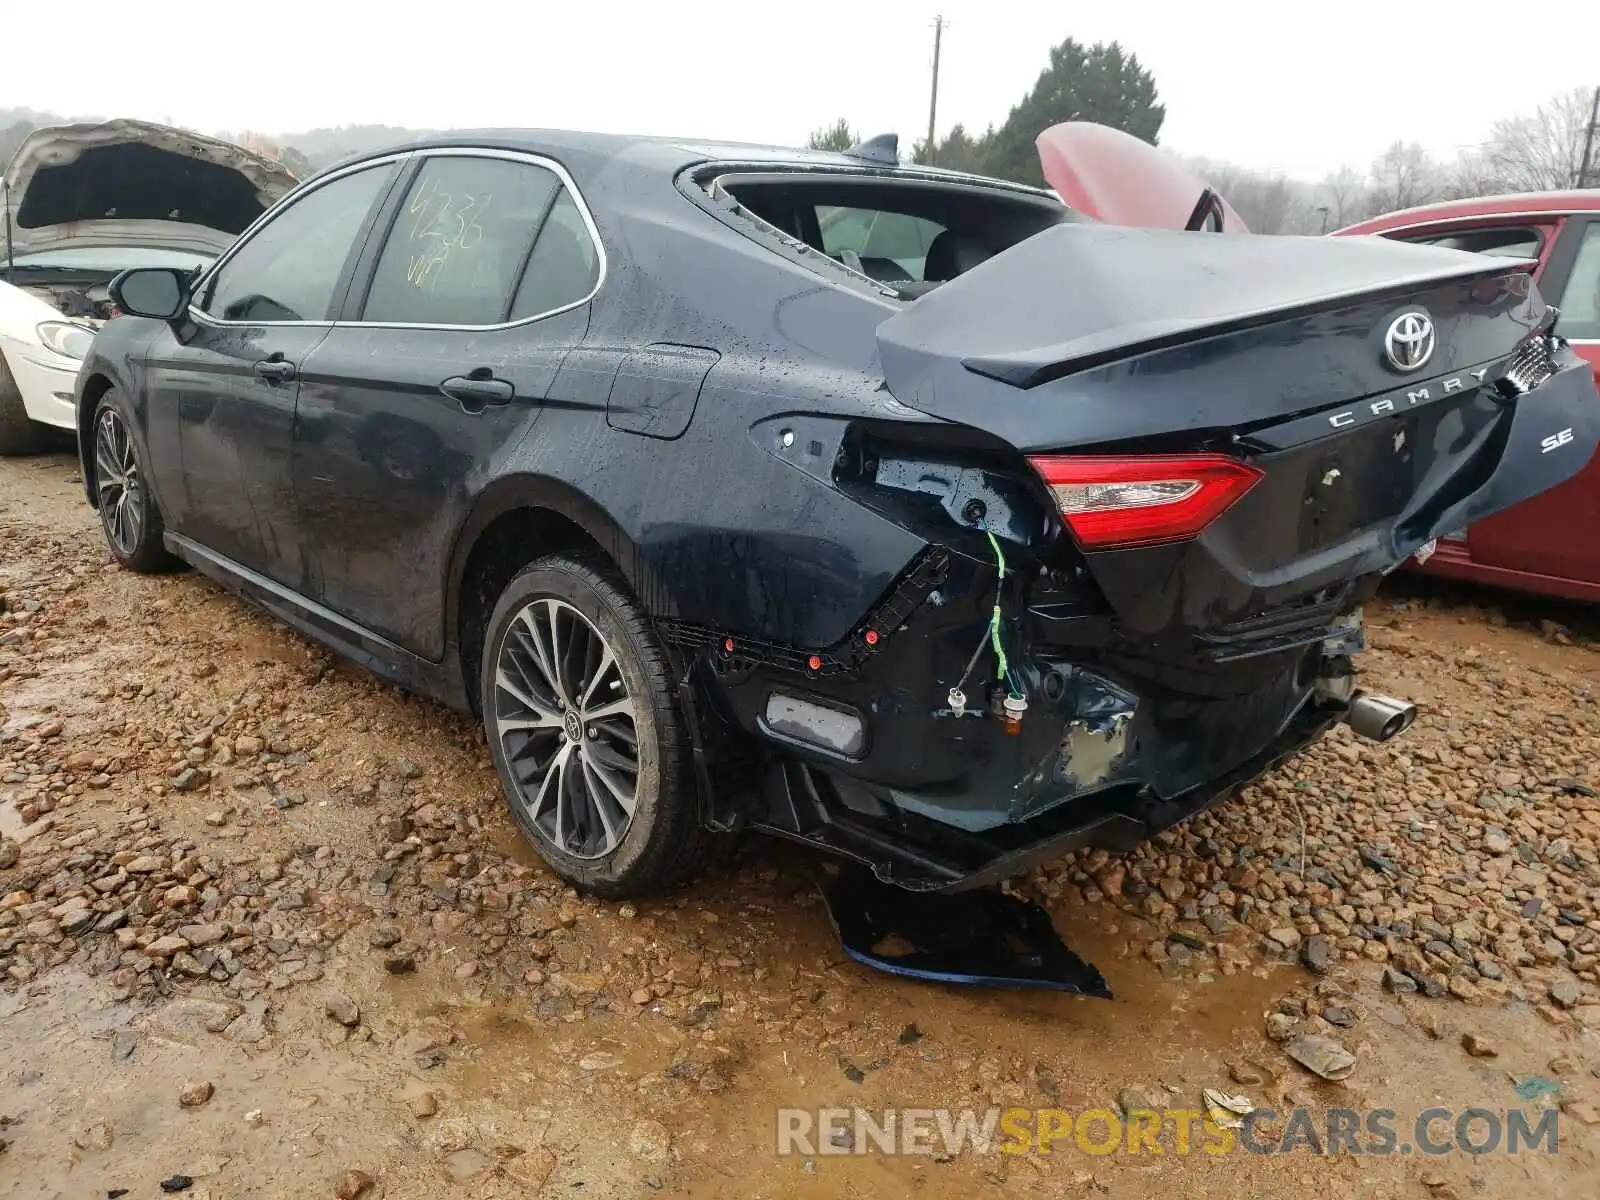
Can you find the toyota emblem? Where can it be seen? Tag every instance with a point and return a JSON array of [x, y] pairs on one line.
[[1408, 345]]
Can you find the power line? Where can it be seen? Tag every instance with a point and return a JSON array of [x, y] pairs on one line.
[[933, 93]]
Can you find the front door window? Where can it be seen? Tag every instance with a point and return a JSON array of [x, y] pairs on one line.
[[289, 269]]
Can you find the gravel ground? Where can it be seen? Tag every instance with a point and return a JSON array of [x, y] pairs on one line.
[[264, 924]]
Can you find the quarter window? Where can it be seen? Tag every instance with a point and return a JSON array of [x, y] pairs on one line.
[[288, 270], [480, 241], [1580, 299], [564, 265]]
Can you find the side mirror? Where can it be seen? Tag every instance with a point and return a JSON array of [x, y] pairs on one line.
[[155, 292]]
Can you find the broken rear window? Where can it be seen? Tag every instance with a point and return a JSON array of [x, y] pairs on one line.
[[906, 233]]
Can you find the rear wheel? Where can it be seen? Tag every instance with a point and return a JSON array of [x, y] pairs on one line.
[[128, 513], [584, 726], [18, 433]]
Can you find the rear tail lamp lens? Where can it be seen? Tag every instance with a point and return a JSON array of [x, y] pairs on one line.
[[1113, 502]]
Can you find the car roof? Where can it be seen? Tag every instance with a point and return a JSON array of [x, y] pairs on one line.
[[1514, 204], [585, 153]]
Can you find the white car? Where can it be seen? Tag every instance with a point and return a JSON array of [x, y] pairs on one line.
[[81, 203]]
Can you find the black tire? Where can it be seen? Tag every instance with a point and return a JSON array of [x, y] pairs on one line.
[[526, 720], [19, 434], [128, 514]]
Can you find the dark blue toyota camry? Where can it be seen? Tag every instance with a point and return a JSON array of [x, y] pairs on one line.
[[904, 513]]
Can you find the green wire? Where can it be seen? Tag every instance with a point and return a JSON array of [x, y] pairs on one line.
[[1001, 670], [999, 554]]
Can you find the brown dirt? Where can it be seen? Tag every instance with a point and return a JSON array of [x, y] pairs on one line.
[[551, 1031]]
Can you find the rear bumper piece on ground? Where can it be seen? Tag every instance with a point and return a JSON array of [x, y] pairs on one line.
[[976, 937]]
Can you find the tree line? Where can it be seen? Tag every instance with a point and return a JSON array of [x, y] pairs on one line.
[[1100, 83], [1528, 152], [1537, 151]]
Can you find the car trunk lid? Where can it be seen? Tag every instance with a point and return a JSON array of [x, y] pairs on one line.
[[131, 183], [1023, 343], [1087, 343]]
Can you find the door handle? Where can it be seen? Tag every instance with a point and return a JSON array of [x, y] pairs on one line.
[[476, 391], [274, 370]]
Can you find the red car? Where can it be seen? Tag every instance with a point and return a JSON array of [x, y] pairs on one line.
[[1551, 543]]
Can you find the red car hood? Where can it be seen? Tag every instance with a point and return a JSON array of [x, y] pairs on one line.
[[1116, 178]]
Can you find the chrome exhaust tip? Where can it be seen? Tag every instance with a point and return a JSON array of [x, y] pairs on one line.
[[1379, 718]]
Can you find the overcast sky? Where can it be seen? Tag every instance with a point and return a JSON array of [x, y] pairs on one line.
[[1268, 85]]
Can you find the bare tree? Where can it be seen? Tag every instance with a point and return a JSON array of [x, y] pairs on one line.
[[1542, 150], [1403, 176], [1266, 203], [1473, 174], [1344, 195], [1275, 205]]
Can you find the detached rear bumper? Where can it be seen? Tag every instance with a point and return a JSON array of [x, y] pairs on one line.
[[822, 808], [1112, 749]]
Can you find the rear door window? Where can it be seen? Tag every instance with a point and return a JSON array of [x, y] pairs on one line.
[[888, 245], [1580, 299], [465, 241]]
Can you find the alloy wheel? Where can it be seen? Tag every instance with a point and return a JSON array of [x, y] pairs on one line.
[[117, 482], [567, 727]]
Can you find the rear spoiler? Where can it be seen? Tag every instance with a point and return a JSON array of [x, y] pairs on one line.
[[1077, 295]]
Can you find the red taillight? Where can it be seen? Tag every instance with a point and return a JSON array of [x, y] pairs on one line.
[[1137, 501]]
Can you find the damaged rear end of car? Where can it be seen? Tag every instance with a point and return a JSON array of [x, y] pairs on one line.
[[1155, 476]]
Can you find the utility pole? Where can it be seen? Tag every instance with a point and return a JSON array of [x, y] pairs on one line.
[[1586, 168], [933, 95]]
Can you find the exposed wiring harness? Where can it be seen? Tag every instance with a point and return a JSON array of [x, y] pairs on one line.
[[973, 661], [1001, 668], [991, 638]]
